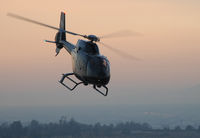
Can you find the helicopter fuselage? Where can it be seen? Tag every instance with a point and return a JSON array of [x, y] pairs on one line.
[[88, 65]]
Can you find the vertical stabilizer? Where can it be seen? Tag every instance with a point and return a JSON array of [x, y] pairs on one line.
[[62, 35], [60, 38], [62, 21]]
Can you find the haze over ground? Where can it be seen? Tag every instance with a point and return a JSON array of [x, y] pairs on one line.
[[169, 48], [158, 116]]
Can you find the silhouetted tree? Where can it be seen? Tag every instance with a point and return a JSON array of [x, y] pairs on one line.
[[16, 128], [34, 129], [189, 128], [146, 126], [177, 128], [199, 128], [74, 129]]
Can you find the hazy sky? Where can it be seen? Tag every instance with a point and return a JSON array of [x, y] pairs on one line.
[[169, 49]]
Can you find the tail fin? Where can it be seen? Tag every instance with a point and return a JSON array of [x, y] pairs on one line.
[[60, 36], [62, 21], [62, 26]]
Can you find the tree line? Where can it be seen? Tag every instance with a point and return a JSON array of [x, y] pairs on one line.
[[72, 129]]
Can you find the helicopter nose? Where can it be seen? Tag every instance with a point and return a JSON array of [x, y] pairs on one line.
[[98, 71], [98, 68], [102, 73]]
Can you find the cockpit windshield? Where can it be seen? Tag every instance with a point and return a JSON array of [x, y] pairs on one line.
[[99, 62], [92, 48]]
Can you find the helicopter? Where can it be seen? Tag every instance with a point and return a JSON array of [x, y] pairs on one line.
[[88, 65]]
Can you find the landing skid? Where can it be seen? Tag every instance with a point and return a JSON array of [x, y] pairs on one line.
[[104, 94], [78, 83], [67, 76]]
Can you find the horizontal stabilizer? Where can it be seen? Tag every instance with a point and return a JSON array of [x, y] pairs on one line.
[[49, 41]]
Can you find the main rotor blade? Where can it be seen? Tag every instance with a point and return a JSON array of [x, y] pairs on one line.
[[121, 33], [41, 24], [121, 53]]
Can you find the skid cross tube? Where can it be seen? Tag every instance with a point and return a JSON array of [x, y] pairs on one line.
[[104, 94], [67, 76]]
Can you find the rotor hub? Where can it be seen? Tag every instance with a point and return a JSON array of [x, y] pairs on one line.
[[93, 38]]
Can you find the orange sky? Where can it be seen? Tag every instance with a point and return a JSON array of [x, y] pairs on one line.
[[169, 49]]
